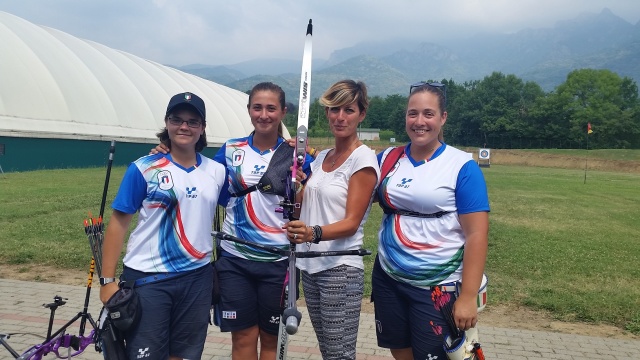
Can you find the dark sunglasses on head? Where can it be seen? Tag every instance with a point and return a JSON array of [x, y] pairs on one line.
[[436, 85], [190, 123]]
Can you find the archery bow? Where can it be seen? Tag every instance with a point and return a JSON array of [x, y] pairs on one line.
[[290, 318]]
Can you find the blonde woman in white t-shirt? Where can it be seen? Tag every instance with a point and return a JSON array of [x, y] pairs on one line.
[[335, 204]]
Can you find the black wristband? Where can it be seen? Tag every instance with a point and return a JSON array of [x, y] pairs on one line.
[[105, 281], [317, 234]]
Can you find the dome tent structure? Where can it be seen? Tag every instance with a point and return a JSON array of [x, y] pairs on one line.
[[74, 92]]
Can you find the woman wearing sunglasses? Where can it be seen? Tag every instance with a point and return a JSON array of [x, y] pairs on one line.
[[169, 252], [433, 233]]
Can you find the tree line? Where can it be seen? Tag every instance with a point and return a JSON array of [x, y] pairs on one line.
[[503, 111]]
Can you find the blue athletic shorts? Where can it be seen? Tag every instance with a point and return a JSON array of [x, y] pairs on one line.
[[251, 293], [403, 313], [174, 315]]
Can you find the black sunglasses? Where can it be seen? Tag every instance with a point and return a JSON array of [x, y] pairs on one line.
[[437, 85]]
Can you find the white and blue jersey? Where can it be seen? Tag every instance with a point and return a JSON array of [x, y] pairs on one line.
[[252, 217], [176, 208], [428, 251]]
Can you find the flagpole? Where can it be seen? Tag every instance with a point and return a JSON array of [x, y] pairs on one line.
[[586, 155]]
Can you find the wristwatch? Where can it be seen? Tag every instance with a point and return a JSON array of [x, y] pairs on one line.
[[105, 281], [317, 234]]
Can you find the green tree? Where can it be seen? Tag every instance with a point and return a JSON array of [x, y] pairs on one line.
[[503, 111], [497, 111], [318, 124], [375, 114], [606, 101], [463, 126], [456, 121], [394, 114]]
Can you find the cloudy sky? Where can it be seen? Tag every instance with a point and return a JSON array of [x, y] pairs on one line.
[[219, 32]]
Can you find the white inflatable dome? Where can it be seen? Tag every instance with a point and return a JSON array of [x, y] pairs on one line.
[[54, 85]]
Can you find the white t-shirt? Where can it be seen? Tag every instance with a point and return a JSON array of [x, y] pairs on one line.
[[325, 202]]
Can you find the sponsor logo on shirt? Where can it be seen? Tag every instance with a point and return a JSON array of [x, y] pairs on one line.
[[237, 158], [257, 170], [165, 180], [143, 353], [191, 193], [404, 183]]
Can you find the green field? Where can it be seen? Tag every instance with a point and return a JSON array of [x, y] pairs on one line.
[[556, 243], [606, 154]]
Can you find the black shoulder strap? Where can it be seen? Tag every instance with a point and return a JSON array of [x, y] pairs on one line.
[[245, 191], [218, 220], [438, 214], [274, 179]]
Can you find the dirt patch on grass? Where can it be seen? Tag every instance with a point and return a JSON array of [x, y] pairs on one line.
[[48, 274], [532, 158], [509, 317]]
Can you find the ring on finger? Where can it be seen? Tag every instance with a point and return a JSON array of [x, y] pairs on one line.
[[295, 236]]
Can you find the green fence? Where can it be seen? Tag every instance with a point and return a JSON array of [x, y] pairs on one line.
[[23, 154]]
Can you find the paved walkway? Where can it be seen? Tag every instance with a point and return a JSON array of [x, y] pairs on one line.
[[21, 311]]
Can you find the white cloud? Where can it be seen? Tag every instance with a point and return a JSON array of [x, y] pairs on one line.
[[222, 32]]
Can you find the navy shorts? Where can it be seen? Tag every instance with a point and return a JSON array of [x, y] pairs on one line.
[[174, 315], [251, 293], [403, 314]]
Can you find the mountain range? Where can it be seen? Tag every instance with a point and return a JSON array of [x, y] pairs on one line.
[[545, 56]]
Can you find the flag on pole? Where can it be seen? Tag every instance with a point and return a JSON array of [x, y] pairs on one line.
[[589, 131]]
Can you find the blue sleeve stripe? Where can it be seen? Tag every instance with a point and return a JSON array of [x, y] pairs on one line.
[[471, 189], [379, 156], [220, 155], [223, 199], [306, 168], [132, 191], [221, 158]]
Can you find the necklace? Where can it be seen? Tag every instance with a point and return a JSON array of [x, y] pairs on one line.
[[333, 163], [337, 157]]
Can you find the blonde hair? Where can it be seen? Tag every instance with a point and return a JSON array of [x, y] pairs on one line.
[[346, 92]]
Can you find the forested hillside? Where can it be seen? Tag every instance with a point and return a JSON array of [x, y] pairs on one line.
[[504, 111]]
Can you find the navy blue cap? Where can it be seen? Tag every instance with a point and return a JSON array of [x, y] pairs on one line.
[[190, 99]]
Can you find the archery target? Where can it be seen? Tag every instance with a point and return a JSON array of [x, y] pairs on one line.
[[484, 154]]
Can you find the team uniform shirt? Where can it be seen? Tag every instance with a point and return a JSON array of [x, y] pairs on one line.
[[428, 251], [325, 203], [176, 208], [252, 217]]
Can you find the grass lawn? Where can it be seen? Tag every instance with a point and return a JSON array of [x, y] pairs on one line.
[[556, 243], [608, 154]]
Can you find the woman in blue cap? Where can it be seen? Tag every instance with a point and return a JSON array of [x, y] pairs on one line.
[[169, 252]]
